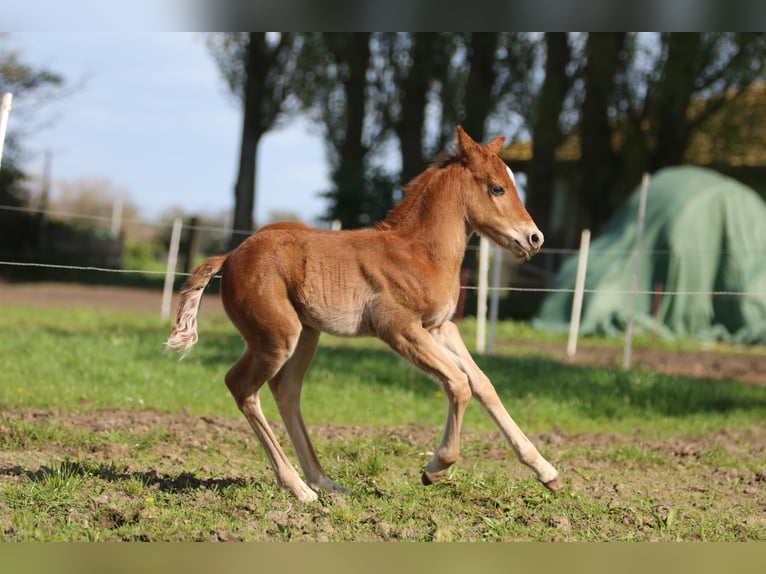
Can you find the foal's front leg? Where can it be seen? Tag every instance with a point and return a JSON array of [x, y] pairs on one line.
[[418, 347], [484, 391]]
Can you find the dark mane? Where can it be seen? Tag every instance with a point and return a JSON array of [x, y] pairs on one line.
[[414, 189], [445, 159]]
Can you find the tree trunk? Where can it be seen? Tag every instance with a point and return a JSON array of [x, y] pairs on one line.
[[671, 124], [256, 65], [597, 160], [413, 98], [546, 136], [348, 177], [479, 98], [244, 189]]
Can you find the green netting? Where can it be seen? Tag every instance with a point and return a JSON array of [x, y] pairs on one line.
[[703, 232]]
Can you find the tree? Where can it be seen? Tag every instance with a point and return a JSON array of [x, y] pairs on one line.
[[480, 83], [547, 134], [340, 89], [259, 69], [468, 94], [363, 89], [489, 77], [351, 56], [604, 57], [30, 86], [27, 84], [701, 68], [412, 62], [634, 101]]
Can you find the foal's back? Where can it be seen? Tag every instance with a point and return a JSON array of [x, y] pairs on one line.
[[346, 283]]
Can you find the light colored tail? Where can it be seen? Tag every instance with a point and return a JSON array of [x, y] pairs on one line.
[[183, 335]]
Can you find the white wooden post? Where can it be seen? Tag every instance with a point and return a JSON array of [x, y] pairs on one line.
[[5, 110], [167, 292], [582, 268], [481, 303], [116, 217], [626, 357]]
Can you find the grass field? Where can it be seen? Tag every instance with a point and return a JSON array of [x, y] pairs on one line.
[[105, 437]]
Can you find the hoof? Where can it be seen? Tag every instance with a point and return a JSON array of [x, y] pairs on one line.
[[554, 485], [306, 496], [328, 485]]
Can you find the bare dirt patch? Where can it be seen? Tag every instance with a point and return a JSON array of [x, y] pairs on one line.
[[744, 365], [186, 429], [108, 297]]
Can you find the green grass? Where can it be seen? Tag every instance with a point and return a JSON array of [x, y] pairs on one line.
[[163, 484], [86, 359]]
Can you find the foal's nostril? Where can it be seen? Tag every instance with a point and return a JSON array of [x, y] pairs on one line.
[[534, 239]]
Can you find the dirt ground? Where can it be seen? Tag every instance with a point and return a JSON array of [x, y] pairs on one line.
[[744, 365], [197, 431], [675, 480]]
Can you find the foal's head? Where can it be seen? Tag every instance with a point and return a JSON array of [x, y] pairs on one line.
[[493, 206]]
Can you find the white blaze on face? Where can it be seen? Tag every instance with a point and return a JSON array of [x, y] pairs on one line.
[[510, 174]]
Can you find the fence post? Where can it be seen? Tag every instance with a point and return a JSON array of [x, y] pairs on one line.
[[582, 268], [626, 357], [116, 218], [167, 291], [465, 277], [191, 245], [481, 300], [5, 110]]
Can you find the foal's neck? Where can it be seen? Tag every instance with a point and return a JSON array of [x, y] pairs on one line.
[[432, 214]]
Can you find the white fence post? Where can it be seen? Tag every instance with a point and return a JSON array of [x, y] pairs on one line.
[[167, 292], [582, 268], [626, 357], [116, 217], [481, 302], [5, 110]]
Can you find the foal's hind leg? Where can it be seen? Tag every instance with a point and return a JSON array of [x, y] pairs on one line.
[[245, 380], [286, 388]]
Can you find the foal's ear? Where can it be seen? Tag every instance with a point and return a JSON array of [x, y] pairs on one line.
[[495, 144], [465, 145]]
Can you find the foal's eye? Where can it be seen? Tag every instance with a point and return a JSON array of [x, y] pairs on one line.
[[496, 190]]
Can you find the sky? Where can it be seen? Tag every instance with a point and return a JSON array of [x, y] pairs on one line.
[[149, 113]]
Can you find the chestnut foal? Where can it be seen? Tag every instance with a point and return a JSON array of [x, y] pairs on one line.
[[399, 281]]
